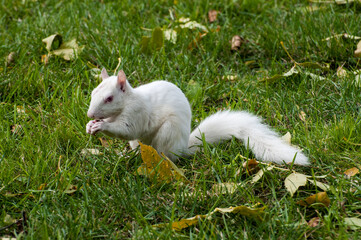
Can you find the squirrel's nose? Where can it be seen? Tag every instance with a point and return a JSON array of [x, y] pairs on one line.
[[90, 114]]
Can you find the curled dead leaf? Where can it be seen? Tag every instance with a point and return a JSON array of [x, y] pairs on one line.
[[302, 115], [236, 42], [287, 137], [10, 59], [212, 15], [321, 198], [251, 166]]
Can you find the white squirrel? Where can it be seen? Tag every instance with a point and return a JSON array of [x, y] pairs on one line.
[[159, 114]]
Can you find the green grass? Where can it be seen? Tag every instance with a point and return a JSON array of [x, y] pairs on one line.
[[111, 202]]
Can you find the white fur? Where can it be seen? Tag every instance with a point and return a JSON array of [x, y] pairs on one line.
[[158, 114]]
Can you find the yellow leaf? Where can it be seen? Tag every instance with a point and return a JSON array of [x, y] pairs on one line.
[[154, 166], [242, 210], [53, 42], [316, 198], [351, 172], [294, 181], [251, 166], [184, 223]]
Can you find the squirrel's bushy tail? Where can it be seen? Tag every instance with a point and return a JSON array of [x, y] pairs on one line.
[[264, 142]]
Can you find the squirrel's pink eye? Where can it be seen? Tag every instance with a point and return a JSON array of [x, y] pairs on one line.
[[108, 99]]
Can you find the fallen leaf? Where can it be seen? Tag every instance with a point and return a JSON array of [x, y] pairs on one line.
[[212, 15], [314, 222], [251, 166], [104, 142], [8, 219], [184, 223], [302, 115], [325, 187], [243, 210], [236, 42], [291, 72], [341, 72], [294, 181], [170, 35], [253, 212], [10, 59], [70, 189], [156, 166], [321, 198], [260, 174], [358, 50], [224, 188], [53, 42], [90, 151], [353, 222], [187, 23], [55, 46], [68, 50], [287, 137], [231, 78], [315, 65], [351, 172]]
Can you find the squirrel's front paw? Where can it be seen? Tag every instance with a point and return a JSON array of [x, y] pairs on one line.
[[90, 125], [97, 126]]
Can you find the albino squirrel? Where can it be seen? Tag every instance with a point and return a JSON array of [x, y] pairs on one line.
[[159, 114]]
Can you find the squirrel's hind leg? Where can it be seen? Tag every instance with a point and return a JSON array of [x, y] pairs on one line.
[[171, 139]]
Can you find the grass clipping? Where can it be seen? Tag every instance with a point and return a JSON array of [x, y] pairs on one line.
[[158, 167]]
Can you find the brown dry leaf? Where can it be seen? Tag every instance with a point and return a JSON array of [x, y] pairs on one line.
[[314, 222], [351, 172], [156, 166], [236, 42], [212, 15], [251, 166], [358, 50], [321, 197], [104, 142], [10, 59]]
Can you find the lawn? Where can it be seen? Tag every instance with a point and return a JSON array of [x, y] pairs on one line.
[[53, 187]]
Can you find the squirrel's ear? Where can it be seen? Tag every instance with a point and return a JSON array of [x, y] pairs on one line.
[[104, 74], [122, 80]]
